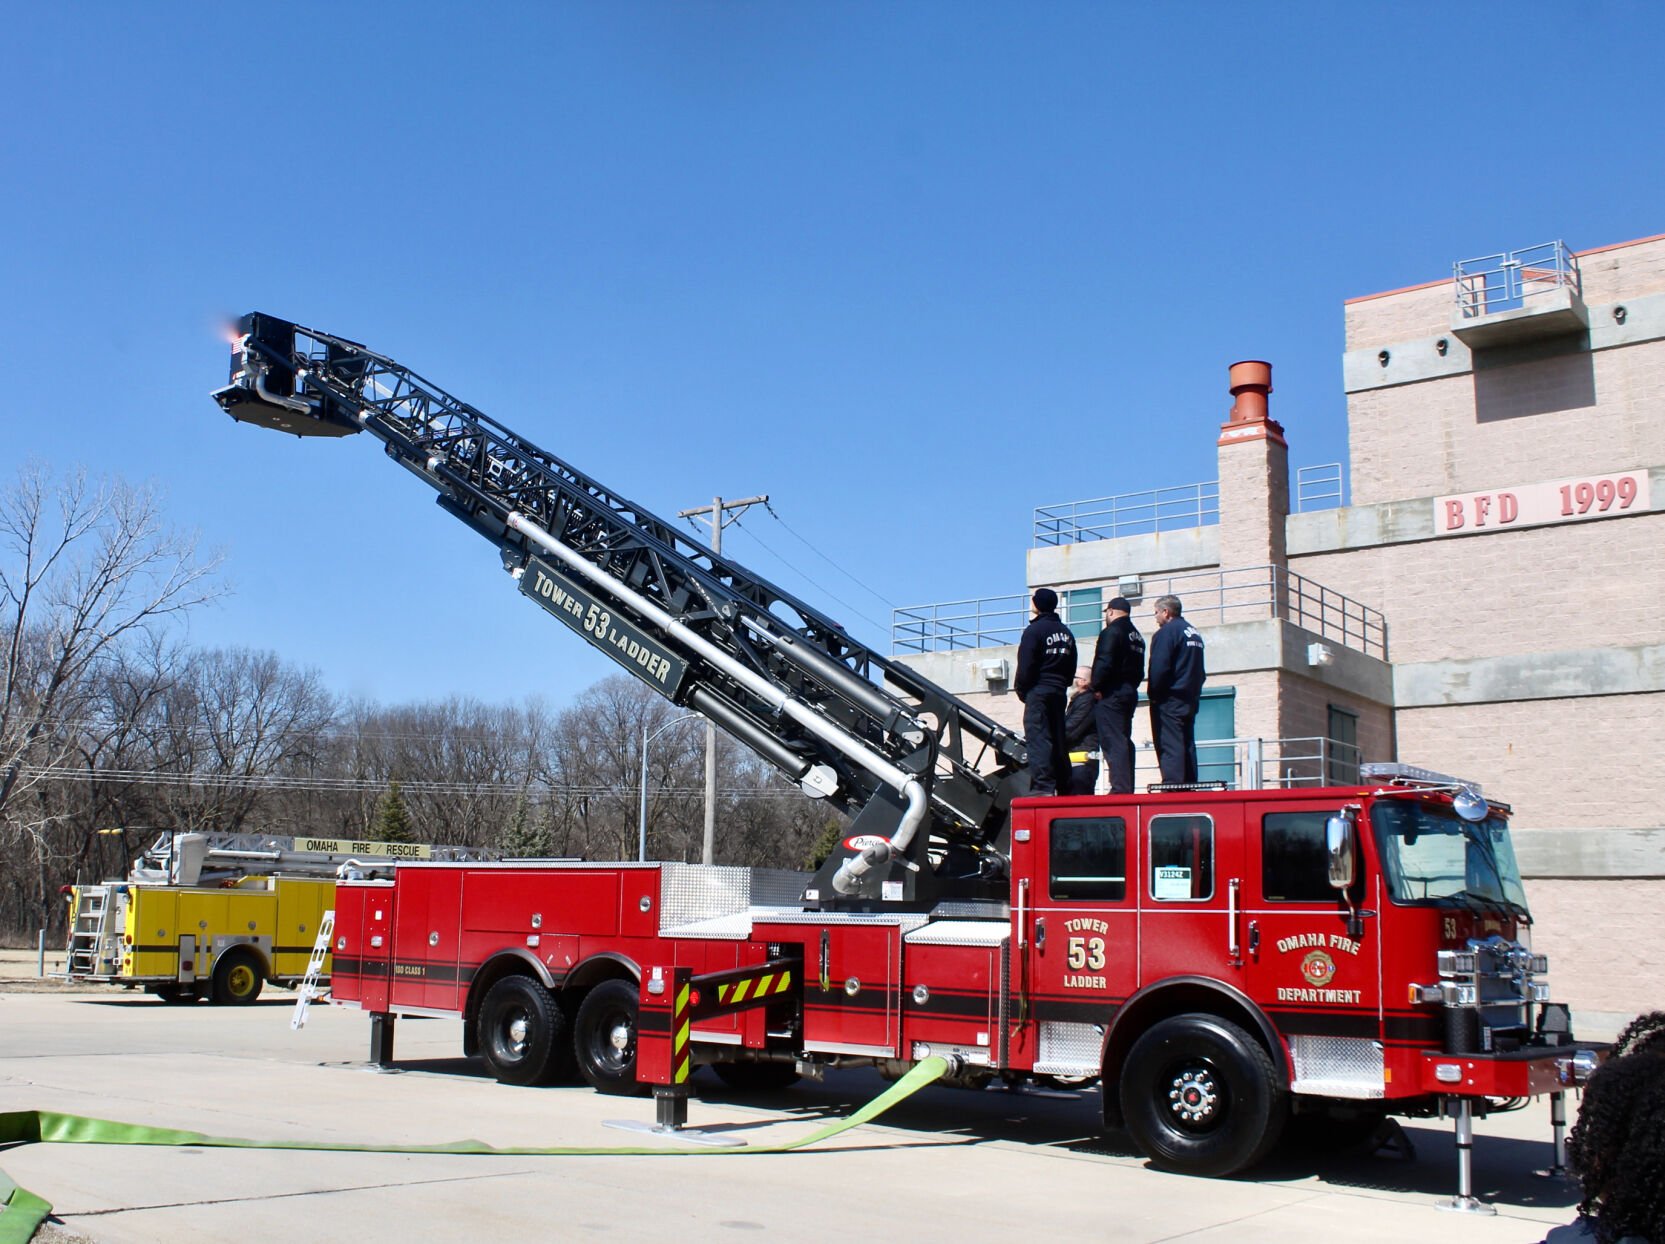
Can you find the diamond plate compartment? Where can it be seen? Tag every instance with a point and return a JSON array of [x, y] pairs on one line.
[[691, 893], [1069, 1050], [1337, 1066]]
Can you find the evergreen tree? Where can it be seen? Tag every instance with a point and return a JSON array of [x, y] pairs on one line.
[[831, 835], [392, 823], [528, 833]]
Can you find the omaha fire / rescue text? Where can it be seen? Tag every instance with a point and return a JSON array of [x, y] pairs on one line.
[[1326, 941]]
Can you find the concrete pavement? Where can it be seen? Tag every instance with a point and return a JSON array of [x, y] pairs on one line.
[[945, 1165]]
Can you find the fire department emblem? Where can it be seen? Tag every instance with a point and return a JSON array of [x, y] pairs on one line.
[[1318, 968]]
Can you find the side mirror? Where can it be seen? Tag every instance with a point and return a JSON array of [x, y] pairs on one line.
[[1470, 804], [1338, 848]]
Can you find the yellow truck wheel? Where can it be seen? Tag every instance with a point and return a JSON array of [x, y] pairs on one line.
[[237, 978]]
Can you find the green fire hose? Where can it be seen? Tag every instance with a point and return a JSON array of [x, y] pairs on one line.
[[24, 1211]]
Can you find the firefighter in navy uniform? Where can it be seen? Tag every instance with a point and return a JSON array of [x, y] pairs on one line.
[[1176, 679], [1118, 669], [1045, 666], [1081, 734]]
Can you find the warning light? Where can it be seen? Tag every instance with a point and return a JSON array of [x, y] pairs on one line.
[[693, 997]]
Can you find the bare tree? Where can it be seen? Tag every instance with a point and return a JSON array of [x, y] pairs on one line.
[[762, 819], [232, 718], [86, 567]]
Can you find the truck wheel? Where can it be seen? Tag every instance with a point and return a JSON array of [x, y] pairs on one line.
[[1202, 1097], [605, 1040], [519, 1028], [237, 978], [756, 1077]]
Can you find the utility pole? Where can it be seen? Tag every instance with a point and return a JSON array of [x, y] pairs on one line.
[[714, 516]]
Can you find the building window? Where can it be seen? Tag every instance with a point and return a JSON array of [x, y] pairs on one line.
[[1216, 719], [1181, 858], [1343, 746], [1084, 611], [1294, 858], [1089, 858]]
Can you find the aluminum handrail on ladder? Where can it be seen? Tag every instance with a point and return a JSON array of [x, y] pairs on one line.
[[314, 969]]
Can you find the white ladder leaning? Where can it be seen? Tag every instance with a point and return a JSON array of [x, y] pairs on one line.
[[314, 969]]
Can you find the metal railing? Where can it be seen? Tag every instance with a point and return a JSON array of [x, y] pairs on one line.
[[988, 622], [1319, 487], [1504, 281], [1129, 514], [1258, 764], [1210, 598], [1169, 509], [1331, 615]]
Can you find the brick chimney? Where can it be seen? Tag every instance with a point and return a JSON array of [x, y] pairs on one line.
[[1254, 474]]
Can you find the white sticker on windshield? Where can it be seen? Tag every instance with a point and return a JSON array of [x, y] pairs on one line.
[[1169, 881]]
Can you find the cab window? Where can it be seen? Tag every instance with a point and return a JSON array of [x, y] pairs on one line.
[[1181, 858], [1294, 865], [1089, 858]]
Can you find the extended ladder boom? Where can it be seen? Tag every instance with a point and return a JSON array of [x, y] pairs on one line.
[[927, 778]]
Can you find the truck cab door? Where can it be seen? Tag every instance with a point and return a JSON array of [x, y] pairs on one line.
[[1191, 891], [1318, 982], [1075, 932]]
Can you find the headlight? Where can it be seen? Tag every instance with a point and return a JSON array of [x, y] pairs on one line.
[[1454, 994], [1456, 962]]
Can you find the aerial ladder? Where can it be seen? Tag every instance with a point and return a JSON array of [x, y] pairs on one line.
[[926, 780]]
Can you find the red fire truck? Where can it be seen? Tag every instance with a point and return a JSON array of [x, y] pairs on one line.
[[1225, 963]]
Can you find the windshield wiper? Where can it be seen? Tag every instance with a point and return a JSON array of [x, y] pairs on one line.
[[1473, 902]]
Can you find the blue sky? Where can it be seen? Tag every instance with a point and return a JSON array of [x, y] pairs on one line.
[[910, 269]]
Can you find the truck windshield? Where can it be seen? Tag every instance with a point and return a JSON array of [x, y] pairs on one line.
[[1430, 855]]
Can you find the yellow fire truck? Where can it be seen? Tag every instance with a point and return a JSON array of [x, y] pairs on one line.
[[216, 915]]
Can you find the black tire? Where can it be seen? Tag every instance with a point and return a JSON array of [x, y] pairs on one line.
[[755, 1077], [176, 995], [238, 978], [604, 1038], [519, 1028], [1202, 1097]]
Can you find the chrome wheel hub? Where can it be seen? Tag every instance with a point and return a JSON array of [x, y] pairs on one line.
[[1193, 1096]]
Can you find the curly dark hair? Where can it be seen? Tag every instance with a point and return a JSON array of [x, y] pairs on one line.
[[1617, 1148]]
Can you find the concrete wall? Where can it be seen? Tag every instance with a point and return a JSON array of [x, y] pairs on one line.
[[1591, 762], [1167, 552], [1605, 954], [1428, 416], [1609, 274], [1534, 419], [1534, 590]]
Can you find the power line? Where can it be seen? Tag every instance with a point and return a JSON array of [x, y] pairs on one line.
[[879, 626], [337, 785], [801, 540]]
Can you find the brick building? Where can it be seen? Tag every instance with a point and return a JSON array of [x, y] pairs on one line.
[[1488, 602]]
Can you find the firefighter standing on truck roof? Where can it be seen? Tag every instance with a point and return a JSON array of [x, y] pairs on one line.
[[1118, 669], [1081, 733], [1045, 666], [1176, 679]]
